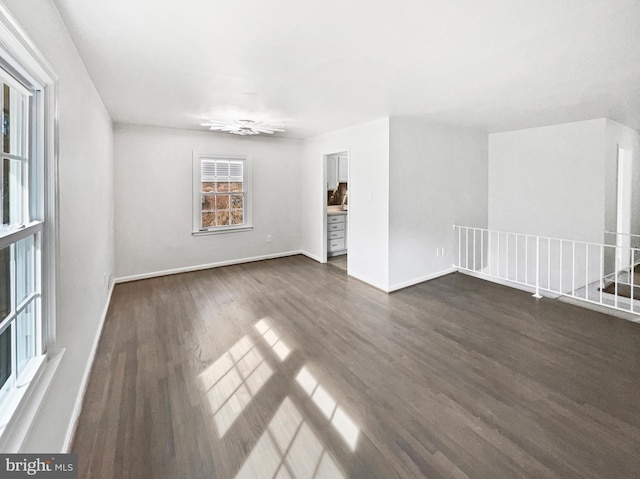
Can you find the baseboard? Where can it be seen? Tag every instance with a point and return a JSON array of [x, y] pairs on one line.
[[199, 267], [312, 256], [366, 280], [510, 284], [611, 311], [77, 408], [421, 279]]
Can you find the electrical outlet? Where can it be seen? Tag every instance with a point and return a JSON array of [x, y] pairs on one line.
[[268, 238], [444, 252], [437, 251]]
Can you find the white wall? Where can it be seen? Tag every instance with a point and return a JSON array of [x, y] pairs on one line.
[[85, 216], [438, 177], [153, 191], [368, 147], [549, 181]]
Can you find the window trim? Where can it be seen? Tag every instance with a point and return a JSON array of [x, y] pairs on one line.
[[197, 201]]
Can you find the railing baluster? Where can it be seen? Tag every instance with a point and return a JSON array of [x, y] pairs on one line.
[[481, 251], [549, 264], [526, 259], [499, 254], [466, 242], [507, 260], [573, 269], [537, 295], [516, 257], [561, 248], [601, 271], [615, 278], [474, 249], [459, 247], [586, 272], [632, 274], [491, 258]]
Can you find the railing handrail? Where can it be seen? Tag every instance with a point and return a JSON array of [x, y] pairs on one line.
[[624, 234], [590, 243]]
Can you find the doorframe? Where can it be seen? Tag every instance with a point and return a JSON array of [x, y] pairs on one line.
[[324, 200]]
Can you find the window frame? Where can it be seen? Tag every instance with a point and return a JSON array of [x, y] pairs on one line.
[[29, 225], [22, 61], [197, 229]]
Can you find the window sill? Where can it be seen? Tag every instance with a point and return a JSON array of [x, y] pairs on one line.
[[22, 407], [220, 231]]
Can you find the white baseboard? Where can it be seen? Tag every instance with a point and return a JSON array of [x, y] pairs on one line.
[[366, 280], [312, 256], [199, 267], [77, 408], [510, 284], [421, 279], [611, 311]]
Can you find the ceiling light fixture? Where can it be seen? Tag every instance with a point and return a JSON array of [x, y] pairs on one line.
[[242, 127]]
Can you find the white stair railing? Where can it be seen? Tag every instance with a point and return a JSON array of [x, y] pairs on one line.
[[615, 234], [624, 241], [578, 269]]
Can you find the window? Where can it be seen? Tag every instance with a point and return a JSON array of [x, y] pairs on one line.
[[21, 234], [221, 191], [27, 230]]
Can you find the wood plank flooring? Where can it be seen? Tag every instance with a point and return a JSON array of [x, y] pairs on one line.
[[288, 368]]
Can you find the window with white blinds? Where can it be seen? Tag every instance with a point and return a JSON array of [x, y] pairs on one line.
[[221, 193]]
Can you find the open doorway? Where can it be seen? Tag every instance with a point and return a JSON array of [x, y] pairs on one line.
[[336, 204], [623, 220]]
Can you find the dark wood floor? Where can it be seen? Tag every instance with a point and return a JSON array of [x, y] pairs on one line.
[[290, 367]]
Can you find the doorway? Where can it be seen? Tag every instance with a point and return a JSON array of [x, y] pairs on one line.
[[336, 209], [623, 214]]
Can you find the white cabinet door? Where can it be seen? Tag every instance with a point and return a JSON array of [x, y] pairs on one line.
[[332, 172], [343, 169], [335, 245]]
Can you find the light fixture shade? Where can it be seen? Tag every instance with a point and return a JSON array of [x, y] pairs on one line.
[[241, 127]]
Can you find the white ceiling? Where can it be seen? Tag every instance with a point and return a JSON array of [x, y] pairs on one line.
[[315, 66]]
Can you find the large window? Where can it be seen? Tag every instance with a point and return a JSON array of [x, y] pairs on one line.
[[27, 230], [221, 194], [21, 230]]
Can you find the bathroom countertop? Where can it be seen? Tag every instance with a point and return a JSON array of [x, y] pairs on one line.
[[336, 210]]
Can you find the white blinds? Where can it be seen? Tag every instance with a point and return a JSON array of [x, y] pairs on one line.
[[222, 170]]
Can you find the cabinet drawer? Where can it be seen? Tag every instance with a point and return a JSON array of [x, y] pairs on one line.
[[335, 227], [335, 219], [335, 245], [335, 234]]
